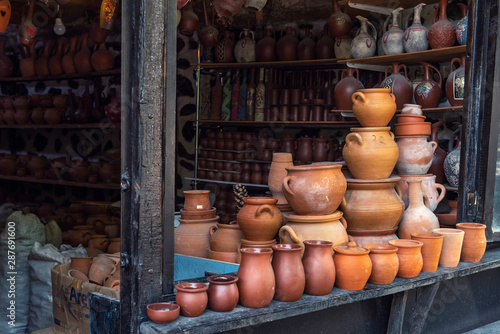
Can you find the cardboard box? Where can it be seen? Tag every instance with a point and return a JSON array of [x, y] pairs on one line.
[[70, 303]]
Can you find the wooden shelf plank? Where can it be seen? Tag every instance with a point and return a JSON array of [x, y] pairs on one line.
[[64, 76], [62, 126], [316, 63], [338, 124], [226, 182], [31, 179], [425, 110]]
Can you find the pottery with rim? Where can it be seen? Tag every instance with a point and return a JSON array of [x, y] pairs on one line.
[[277, 173], [410, 257], [353, 266], [374, 107], [289, 272], [431, 249], [415, 154], [366, 237], [319, 267], [259, 218], [101, 267], [452, 246], [197, 200], [225, 237], [163, 313], [385, 263], [435, 192], [192, 237], [81, 264], [412, 129], [256, 277], [223, 294], [474, 244], [192, 298]]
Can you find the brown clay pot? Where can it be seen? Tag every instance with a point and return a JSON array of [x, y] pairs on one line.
[[198, 214], [256, 277], [415, 155], [412, 129], [208, 35], [27, 63], [277, 173], [400, 85], [102, 266], [318, 267], [102, 59], [197, 200], [192, 298], [259, 218], [99, 241], [22, 116], [114, 245], [223, 294], [265, 47], [225, 237], [52, 115], [339, 23], [353, 266], [429, 188], [21, 102], [410, 118], [9, 116], [67, 62], [474, 244], [431, 249], [347, 86], [60, 101], [163, 313], [442, 33], [304, 149], [97, 34], [55, 65], [306, 49], [325, 45], [82, 56], [428, 92], [286, 47], [366, 237], [8, 164], [189, 21], [289, 272], [228, 8], [385, 263], [373, 107], [81, 264], [81, 234], [80, 171], [254, 244], [192, 237], [410, 257], [320, 149]]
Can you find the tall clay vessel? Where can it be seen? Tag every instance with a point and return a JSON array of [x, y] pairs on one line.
[[474, 244], [256, 282], [415, 155], [428, 92], [319, 267], [400, 85], [67, 62], [347, 86], [223, 294], [455, 84], [82, 57], [265, 47], [392, 41], [415, 38], [189, 20], [442, 33], [430, 189], [306, 50], [410, 257], [55, 65], [208, 35], [288, 272], [339, 23], [364, 44], [42, 61], [286, 47]]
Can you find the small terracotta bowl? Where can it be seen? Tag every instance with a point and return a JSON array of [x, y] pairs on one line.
[[163, 313], [409, 118], [413, 129]]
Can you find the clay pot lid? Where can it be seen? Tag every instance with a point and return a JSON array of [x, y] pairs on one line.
[[313, 219], [426, 235], [260, 200], [351, 249], [391, 179], [328, 165], [199, 221], [406, 243], [474, 226], [372, 129], [447, 231], [381, 248], [374, 90], [282, 157], [222, 279], [191, 287], [287, 247]]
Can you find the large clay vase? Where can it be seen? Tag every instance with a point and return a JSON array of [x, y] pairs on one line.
[[452, 246], [392, 41], [289, 272], [353, 266], [5, 11], [439, 155], [67, 61], [364, 45], [325, 46], [259, 218], [277, 173], [373, 107], [329, 186], [474, 244], [192, 237], [415, 37], [347, 86], [306, 50], [208, 35], [27, 63], [192, 298], [415, 155], [430, 189], [451, 165], [265, 47], [225, 237], [455, 84], [417, 217], [286, 47], [223, 294], [318, 267], [224, 51], [82, 57], [442, 32], [410, 257], [385, 263], [400, 85], [102, 59], [42, 61], [339, 23], [431, 249], [6, 65], [55, 64], [189, 21], [244, 50], [462, 25], [256, 277], [428, 92], [370, 153]]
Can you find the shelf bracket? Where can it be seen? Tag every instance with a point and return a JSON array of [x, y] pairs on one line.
[[371, 8], [376, 68]]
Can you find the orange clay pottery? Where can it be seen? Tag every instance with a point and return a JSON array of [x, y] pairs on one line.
[[192, 298], [374, 107], [417, 217], [256, 277], [370, 153], [415, 154], [474, 244], [431, 250], [413, 129], [326, 227], [192, 237], [289, 272], [81, 234], [259, 218], [353, 266], [410, 118], [197, 200], [410, 257], [277, 173], [318, 267], [223, 256], [78, 275], [102, 266], [225, 237], [429, 188], [99, 241], [163, 313], [366, 237], [223, 294], [198, 214], [82, 264], [452, 246], [329, 186], [254, 244], [385, 263], [372, 204]]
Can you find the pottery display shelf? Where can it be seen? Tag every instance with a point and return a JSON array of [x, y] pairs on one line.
[[63, 76], [288, 124], [31, 179], [61, 126], [295, 64], [194, 179], [349, 113]]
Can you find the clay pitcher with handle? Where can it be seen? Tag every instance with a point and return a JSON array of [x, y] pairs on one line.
[[364, 44], [392, 41], [455, 84], [428, 92], [442, 32], [415, 37], [347, 86], [208, 35], [339, 23]]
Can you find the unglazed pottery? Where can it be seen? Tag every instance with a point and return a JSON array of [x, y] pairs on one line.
[[412, 129], [353, 266], [439, 155], [366, 237], [431, 249], [244, 49], [442, 32], [259, 218], [277, 173], [192, 298], [197, 200], [162, 313], [82, 264], [415, 155], [224, 51], [415, 37], [197, 214], [374, 107], [452, 246], [256, 277], [474, 244], [288, 271], [99, 241], [223, 294], [385, 263], [411, 109], [82, 57], [410, 257], [192, 237], [102, 266], [265, 47], [225, 237], [339, 23], [347, 86], [318, 267], [286, 47], [433, 191]]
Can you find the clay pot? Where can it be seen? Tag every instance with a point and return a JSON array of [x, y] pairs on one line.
[[441, 33], [347, 86], [197, 200], [162, 313], [452, 246], [259, 218], [52, 115], [223, 294], [455, 84], [385, 263], [8, 164], [370, 153], [339, 23], [474, 244], [353, 266], [99, 241], [81, 234], [82, 264], [327, 180], [415, 37], [320, 149], [102, 59], [224, 51], [20, 102], [277, 173], [192, 298], [55, 65], [364, 45], [428, 92], [102, 266], [256, 277], [9, 116], [319, 268], [372, 204], [286, 47], [411, 109], [225, 237], [410, 118], [192, 237], [439, 155], [265, 47], [198, 214], [67, 62], [431, 249], [400, 85], [80, 171], [304, 149], [60, 101], [392, 40], [42, 61], [306, 50], [415, 154], [114, 245], [288, 145], [254, 244], [410, 257], [6, 12], [81, 58], [208, 35], [325, 46], [373, 107], [97, 34], [289, 272], [189, 21], [429, 188], [78, 275]]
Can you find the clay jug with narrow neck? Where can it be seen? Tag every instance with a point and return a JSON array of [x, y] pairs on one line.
[[392, 41], [265, 47], [364, 44], [442, 32], [455, 84], [415, 37], [325, 46], [400, 85], [82, 57], [306, 49], [27, 63], [428, 92], [42, 61], [339, 23], [286, 47], [347, 86]]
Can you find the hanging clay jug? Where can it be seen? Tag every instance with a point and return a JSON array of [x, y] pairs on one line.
[[286, 47], [27, 63], [347, 86], [415, 155], [415, 37], [319, 267], [373, 107], [353, 266], [5, 11], [27, 30], [244, 50], [451, 163], [428, 92], [429, 189], [364, 45], [82, 57], [417, 217], [400, 85], [259, 218], [223, 294], [339, 23], [304, 149], [192, 237], [67, 61], [97, 34], [256, 277], [306, 50], [208, 35], [6, 65], [410, 257], [55, 65], [320, 149], [474, 244], [265, 47], [462, 25], [192, 298], [325, 46], [439, 155], [455, 84], [102, 59], [441, 33], [224, 51], [42, 61], [431, 249], [392, 41], [277, 173], [289, 272], [189, 21], [385, 263]]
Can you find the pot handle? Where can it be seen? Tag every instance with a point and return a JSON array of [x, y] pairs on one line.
[[391, 134], [344, 222], [105, 242], [399, 191], [443, 191], [343, 204], [426, 202], [350, 137], [262, 208], [393, 97], [212, 229], [439, 74], [286, 180], [453, 61], [361, 96], [434, 18], [434, 146], [374, 31], [290, 231]]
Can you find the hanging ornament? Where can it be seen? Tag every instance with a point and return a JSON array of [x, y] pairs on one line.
[[108, 13], [5, 11]]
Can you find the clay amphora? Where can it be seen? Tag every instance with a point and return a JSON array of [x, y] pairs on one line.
[[42, 61], [55, 65], [452, 246], [347, 86], [462, 25], [431, 249], [304, 149], [320, 149], [289, 272], [415, 155], [318, 267], [370, 153], [114, 245], [189, 21], [244, 50], [67, 62], [428, 92], [400, 85], [223, 294], [415, 37], [385, 263], [339, 23], [455, 84], [192, 237], [364, 45], [5, 17], [417, 217], [306, 50], [197, 200], [225, 237], [373, 107], [410, 257], [286, 47], [325, 46], [429, 188], [256, 277], [326, 179], [224, 51], [192, 298], [6, 65], [27, 63], [259, 218], [439, 155], [451, 165], [208, 35], [353, 266], [392, 41], [342, 47], [372, 204], [441, 33], [81, 58], [99, 241], [288, 146], [277, 173], [265, 47], [102, 59], [474, 244]]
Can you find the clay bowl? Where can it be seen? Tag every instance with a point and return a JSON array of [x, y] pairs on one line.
[[409, 118], [447, 219], [197, 215], [92, 208], [413, 129], [163, 313]]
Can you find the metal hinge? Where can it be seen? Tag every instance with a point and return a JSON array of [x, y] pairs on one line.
[[472, 203]]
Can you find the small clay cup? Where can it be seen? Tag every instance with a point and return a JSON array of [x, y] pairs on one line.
[[431, 250], [452, 246], [385, 263], [163, 313], [223, 293]]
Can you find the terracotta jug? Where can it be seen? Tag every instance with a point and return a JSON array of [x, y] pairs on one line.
[[342, 47], [415, 37], [225, 237], [55, 65], [304, 149], [277, 173], [189, 21], [306, 50], [428, 92], [385, 263], [286, 47], [265, 47], [37, 115], [441, 33], [439, 155], [244, 49], [347, 86], [79, 172], [364, 45], [353, 266], [67, 61], [415, 155], [5, 10], [320, 149], [325, 46], [102, 59], [192, 237], [208, 35], [256, 277], [373, 107], [6, 65], [392, 41], [462, 25], [259, 218], [288, 146], [474, 244], [417, 217], [192, 298], [42, 61], [400, 85], [455, 84], [429, 188], [223, 294], [452, 246], [410, 257], [431, 249], [27, 63], [82, 57], [339, 23], [288, 272], [318, 267], [224, 51]]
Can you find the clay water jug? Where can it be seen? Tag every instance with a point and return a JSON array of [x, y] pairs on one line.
[[439, 155], [189, 20], [102, 59], [244, 50], [27, 30], [208, 35], [192, 237], [364, 45], [339, 23], [225, 237], [451, 163], [289, 272], [415, 37], [27, 63], [462, 25], [342, 47], [319, 267], [347, 86], [55, 65], [306, 50], [42, 61], [434, 191], [5, 11], [82, 57], [428, 92], [392, 41], [415, 155], [442, 32], [353, 266], [224, 51], [455, 84], [417, 217], [400, 85], [277, 174], [6, 65], [325, 46], [304, 149], [67, 61], [265, 47], [256, 282], [286, 47]]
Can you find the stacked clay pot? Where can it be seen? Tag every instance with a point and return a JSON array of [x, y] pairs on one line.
[[372, 205], [102, 270], [225, 241]]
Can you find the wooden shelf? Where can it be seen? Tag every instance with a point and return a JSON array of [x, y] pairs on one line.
[[62, 126], [279, 124], [226, 182], [31, 179], [64, 76], [349, 113], [316, 63]]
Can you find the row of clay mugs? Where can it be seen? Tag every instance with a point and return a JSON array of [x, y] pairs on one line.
[[102, 270]]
